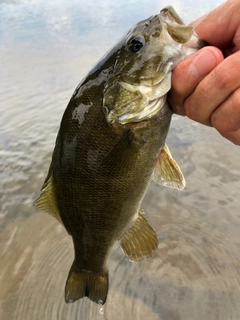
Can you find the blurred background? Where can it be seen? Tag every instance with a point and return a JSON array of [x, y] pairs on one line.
[[46, 48]]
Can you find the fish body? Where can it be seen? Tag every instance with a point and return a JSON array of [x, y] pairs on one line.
[[110, 145]]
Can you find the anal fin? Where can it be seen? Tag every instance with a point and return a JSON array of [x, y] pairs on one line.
[[140, 241]]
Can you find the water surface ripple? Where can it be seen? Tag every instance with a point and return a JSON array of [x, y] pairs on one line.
[[46, 47]]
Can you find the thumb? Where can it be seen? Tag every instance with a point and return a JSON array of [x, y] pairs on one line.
[[187, 75]]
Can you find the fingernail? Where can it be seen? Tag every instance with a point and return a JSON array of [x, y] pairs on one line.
[[202, 64]]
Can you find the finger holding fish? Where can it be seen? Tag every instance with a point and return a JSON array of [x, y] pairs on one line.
[[226, 117], [189, 73], [212, 99]]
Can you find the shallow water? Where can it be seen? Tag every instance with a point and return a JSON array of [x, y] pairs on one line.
[[46, 47]]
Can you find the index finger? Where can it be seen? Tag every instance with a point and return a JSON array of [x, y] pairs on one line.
[[220, 26], [187, 75]]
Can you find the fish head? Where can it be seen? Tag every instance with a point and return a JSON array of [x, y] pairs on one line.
[[143, 65]]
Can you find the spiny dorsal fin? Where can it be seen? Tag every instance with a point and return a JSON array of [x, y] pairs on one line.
[[139, 241], [167, 172], [47, 200]]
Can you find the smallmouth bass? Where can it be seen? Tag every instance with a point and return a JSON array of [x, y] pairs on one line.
[[110, 145]]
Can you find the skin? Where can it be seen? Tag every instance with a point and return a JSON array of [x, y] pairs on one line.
[[206, 86]]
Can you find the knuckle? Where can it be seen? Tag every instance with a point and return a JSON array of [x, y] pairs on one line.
[[234, 137], [189, 110], [227, 116], [226, 74], [222, 80], [193, 110]]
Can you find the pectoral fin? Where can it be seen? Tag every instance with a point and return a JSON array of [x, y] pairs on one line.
[[167, 172], [47, 200], [139, 241], [126, 150]]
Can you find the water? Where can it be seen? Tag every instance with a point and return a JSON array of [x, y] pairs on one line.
[[46, 47], [101, 310]]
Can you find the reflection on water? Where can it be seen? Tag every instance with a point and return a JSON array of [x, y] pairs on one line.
[[46, 47]]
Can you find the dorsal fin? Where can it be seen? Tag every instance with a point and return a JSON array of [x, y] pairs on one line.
[[167, 172], [47, 199]]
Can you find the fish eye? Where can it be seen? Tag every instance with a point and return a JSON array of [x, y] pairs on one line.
[[136, 44]]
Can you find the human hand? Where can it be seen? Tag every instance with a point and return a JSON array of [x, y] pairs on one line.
[[206, 86]]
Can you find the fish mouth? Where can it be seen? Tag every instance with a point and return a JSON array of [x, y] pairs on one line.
[[143, 100]]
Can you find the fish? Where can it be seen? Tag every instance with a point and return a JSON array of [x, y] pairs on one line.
[[111, 145]]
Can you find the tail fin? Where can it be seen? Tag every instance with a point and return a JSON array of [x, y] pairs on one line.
[[86, 284]]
